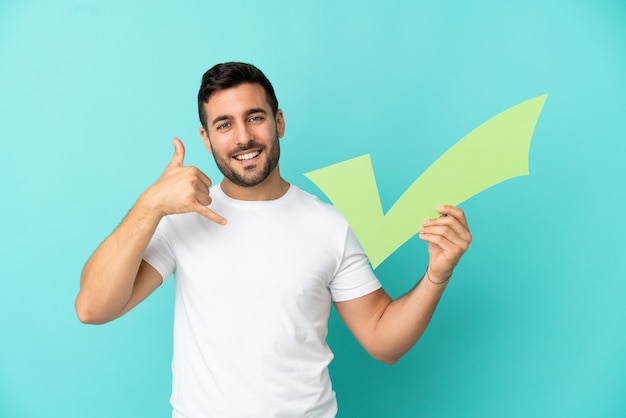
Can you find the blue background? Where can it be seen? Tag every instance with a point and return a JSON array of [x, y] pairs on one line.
[[533, 324]]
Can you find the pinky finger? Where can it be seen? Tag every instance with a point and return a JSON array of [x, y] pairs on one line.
[[210, 215]]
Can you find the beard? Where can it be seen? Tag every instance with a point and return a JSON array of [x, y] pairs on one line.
[[252, 175]]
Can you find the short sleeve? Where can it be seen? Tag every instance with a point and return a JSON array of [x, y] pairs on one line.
[[354, 277], [159, 253]]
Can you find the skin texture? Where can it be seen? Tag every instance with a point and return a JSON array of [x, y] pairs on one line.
[[243, 135]]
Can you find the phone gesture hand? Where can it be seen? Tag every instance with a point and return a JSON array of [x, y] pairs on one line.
[[182, 189]]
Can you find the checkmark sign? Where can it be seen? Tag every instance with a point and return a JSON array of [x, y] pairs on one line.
[[494, 152]]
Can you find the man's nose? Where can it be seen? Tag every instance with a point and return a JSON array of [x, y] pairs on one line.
[[244, 135]]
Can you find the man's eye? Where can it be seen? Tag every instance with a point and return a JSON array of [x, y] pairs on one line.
[[256, 118], [223, 125]]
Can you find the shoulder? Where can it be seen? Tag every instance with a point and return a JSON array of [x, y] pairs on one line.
[[309, 202]]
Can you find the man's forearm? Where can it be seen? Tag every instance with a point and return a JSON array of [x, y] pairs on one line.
[[404, 321], [108, 277]]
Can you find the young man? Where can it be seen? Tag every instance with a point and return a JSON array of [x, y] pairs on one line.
[[257, 263]]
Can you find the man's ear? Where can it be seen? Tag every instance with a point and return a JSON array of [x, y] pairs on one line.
[[205, 138], [280, 123]]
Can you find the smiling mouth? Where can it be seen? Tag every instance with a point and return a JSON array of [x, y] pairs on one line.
[[247, 156]]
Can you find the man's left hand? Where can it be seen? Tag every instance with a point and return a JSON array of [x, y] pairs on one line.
[[448, 238]]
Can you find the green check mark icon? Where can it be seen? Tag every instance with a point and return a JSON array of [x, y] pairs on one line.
[[494, 152]]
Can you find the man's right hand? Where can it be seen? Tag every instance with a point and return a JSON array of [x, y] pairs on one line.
[[181, 189]]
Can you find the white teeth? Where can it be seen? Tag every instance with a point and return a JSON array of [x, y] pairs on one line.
[[248, 156]]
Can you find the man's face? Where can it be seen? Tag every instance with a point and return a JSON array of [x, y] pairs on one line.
[[242, 134]]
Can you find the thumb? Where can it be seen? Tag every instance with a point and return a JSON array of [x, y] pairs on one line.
[[179, 153]]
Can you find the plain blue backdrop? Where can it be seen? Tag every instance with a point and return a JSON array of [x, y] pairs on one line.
[[534, 322]]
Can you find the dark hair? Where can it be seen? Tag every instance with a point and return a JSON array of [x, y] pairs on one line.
[[232, 74]]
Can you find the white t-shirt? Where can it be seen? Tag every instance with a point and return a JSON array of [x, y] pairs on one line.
[[253, 300]]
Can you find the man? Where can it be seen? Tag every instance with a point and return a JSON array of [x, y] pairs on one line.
[[257, 263]]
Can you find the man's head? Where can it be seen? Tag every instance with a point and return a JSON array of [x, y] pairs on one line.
[[228, 75], [241, 125]]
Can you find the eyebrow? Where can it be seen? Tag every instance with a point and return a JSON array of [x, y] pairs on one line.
[[247, 113]]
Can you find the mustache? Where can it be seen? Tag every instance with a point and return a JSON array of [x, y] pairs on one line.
[[249, 146]]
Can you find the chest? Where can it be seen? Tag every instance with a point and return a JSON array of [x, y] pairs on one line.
[[258, 258]]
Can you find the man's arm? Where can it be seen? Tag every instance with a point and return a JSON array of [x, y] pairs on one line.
[[115, 278], [388, 328]]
